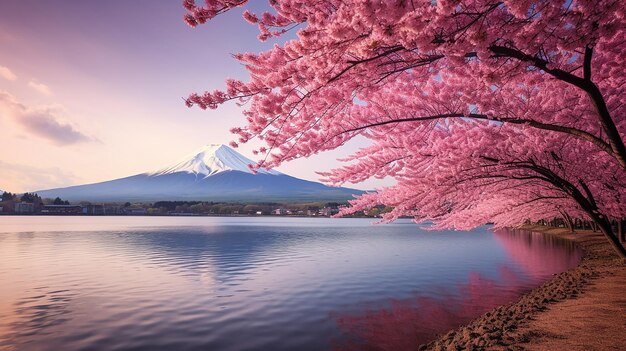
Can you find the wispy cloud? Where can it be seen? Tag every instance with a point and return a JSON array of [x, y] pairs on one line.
[[40, 87], [20, 178], [41, 121], [6, 73]]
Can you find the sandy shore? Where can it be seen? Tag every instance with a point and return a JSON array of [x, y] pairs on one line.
[[581, 309]]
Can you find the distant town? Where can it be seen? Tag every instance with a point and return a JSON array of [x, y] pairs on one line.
[[33, 204]]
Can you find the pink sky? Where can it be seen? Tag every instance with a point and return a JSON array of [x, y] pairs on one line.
[[93, 90]]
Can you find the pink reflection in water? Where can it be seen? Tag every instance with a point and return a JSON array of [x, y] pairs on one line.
[[534, 258], [538, 254]]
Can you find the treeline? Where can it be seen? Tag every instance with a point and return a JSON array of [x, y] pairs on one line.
[[573, 224], [10, 199], [26, 197], [8, 202], [222, 208], [39, 205]]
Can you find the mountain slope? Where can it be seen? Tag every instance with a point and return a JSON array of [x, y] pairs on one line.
[[214, 173]]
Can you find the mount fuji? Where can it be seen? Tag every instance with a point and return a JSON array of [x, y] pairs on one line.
[[214, 173]]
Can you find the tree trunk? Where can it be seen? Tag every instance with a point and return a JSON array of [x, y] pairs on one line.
[[605, 227], [608, 125], [569, 222], [568, 226]]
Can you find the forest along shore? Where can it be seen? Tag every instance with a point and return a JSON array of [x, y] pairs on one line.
[[581, 309]]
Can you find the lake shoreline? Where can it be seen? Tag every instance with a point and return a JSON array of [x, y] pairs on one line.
[[538, 320]]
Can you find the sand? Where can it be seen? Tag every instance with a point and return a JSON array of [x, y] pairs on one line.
[[581, 309]]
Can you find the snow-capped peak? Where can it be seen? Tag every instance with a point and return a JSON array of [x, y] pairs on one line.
[[210, 160]]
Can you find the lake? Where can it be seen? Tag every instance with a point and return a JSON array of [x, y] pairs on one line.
[[255, 283]]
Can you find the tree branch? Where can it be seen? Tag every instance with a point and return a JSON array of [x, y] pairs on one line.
[[604, 146], [615, 140], [587, 63]]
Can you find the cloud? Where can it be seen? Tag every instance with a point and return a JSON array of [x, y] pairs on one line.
[[6, 73], [41, 121], [20, 178], [40, 87]]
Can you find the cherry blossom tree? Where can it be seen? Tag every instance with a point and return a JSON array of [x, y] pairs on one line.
[[481, 110], [457, 178]]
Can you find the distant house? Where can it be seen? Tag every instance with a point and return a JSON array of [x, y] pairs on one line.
[[62, 209], [280, 211], [93, 209], [24, 207]]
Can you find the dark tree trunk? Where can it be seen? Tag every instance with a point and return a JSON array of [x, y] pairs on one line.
[[569, 222], [606, 229]]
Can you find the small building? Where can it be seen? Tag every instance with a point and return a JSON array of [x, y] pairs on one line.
[[93, 209], [24, 207], [62, 209], [280, 211]]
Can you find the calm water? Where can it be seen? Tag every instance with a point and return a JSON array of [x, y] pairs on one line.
[[165, 283]]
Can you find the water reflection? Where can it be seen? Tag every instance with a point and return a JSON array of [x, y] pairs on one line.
[[254, 284], [406, 323], [538, 254]]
